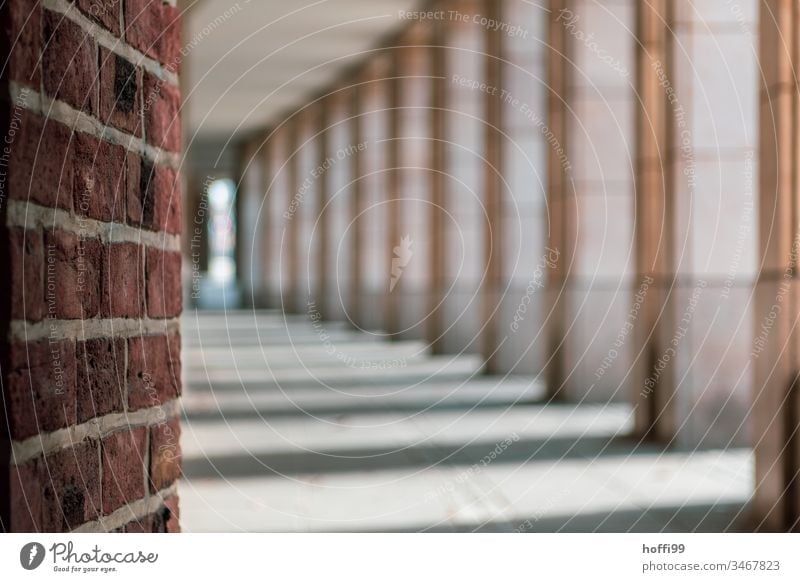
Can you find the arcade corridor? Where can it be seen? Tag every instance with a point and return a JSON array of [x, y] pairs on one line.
[[400, 265], [280, 436]]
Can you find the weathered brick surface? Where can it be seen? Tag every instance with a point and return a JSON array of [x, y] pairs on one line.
[[79, 192], [72, 275], [165, 454], [123, 280], [133, 188], [152, 27], [104, 12], [163, 271], [100, 377], [41, 387], [41, 162], [154, 370], [160, 195], [120, 93], [70, 481], [26, 261], [165, 520], [23, 28], [123, 467], [69, 63], [162, 113], [99, 169], [26, 497]]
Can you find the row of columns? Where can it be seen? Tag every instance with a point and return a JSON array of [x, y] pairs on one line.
[[394, 200]]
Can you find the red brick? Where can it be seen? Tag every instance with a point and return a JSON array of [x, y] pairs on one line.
[[26, 259], [26, 498], [123, 468], [99, 178], [69, 63], [133, 187], [70, 481], [23, 28], [173, 524], [160, 194], [153, 27], [123, 284], [163, 270], [154, 370], [165, 454], [120, 93], [41, 387], [41, 162], [72, 275], [104, 12], [164, 520], [100, 377], [162, 121]]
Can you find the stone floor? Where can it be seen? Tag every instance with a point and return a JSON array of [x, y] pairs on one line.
[[296, 426]]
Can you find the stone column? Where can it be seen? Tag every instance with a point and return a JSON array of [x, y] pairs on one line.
[[775, 347], [493, 187], [654, 218]]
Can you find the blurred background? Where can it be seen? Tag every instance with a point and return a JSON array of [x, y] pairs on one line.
[[471, 265]]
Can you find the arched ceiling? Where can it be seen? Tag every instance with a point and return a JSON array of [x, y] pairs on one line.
[[246, 61]]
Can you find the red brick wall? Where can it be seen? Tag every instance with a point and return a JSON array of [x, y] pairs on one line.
[[90, 223]]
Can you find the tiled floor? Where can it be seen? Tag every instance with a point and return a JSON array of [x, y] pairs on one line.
[[294, 426]]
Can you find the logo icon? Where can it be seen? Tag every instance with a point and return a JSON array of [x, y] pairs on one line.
[[402, 256], [31, 555]]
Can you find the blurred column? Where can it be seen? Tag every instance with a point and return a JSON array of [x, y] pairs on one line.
[[526, 255], [493, 186], [276, 192], [409, 277], [559, 189], [306, 210], [438, 208], [596, 210], [321, 152], [393, 206], [372, 148], [703, 369], [654, 219], [464, 156], [776, 407], [196, 226], [337, 167], [262, 244], [292, 202], [356, 225], [248, 225]]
